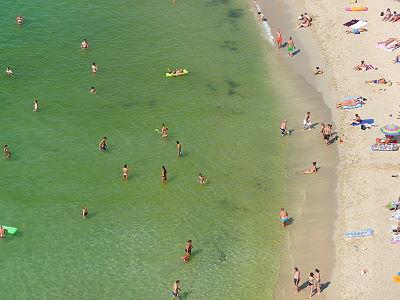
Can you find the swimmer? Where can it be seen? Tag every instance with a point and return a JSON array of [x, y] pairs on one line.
[[296, 278], [19, 19], [318, 71], [103, 144], [85, 212], [93, 90], [35, 105], [313, 169], [2, 232], [163, 174], [279, 38], [283, 128], [125, 172], [179, 148], [283, 216], [84, 44], [6, 151], [164, 131], [202, 179], [176, 289], [94, 67], [188, 251], [9, 72]]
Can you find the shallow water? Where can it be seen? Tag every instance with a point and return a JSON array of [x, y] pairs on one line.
[[223, 113]]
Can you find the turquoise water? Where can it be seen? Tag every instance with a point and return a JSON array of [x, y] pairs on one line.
[[131, 244]]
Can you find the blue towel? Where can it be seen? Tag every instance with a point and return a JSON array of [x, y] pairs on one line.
[[365, 121]]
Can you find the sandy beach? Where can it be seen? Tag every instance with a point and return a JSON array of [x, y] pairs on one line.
[[362, 267]]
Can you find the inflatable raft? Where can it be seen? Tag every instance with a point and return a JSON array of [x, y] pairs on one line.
[[184, 72], [10, 230]]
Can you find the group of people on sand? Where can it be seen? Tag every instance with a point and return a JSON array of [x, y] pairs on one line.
[[313, 281], [290, 43], [304, 20], [390, 16]]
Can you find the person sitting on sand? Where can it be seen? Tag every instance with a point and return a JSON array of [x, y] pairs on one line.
[[103, 144], [6, 151], [2, 232], [377, 81], [84, 44], [313, 169], [9, 72], [318, 71], [202, 179], [284, 217], [19, 19], [304, 23], [364, 67], [357, 119]]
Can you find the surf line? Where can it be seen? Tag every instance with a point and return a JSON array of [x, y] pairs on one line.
[[267, 28]]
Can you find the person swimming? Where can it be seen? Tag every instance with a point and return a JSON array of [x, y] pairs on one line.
[[125, 172], [84, 44], [164, 131], [163, 174], [93, 90], [85, 212], [19, 19], [94, 67], [6, 151], [313, 168], [179, 148], [103, 144], [188, 251], [2, 232], [202, 179], [35, 105], [9, 72]]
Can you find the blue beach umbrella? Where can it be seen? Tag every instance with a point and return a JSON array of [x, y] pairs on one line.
[[392, 130]]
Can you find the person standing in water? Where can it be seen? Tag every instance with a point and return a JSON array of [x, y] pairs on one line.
[[6, 151], [9, 72], [163, 174], [283, 127], [85, 212], [94, 68], [290, 47], [2, 232], [103, 144], [84, 44], [176, 289], [164, 131], [93, 90], [296, 279], [318, 281], [35, 105], [125, 172], [179, 149], [202, 179], [283, 216], [279, 38], [188, 251]]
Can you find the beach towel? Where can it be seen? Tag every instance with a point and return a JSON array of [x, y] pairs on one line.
[[363, 122], [358, 105], [385, 147], [352, 22], [395, 239], [395, 217], [359, 233], [360, 24]]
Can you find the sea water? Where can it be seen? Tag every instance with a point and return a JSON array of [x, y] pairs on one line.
[[223, 112]]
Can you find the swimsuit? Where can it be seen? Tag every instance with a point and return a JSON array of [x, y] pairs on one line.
[[290, 48], [296, 281], [283, 130], [284, 219]]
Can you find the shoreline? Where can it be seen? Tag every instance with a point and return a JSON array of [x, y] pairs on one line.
[[313, 230]]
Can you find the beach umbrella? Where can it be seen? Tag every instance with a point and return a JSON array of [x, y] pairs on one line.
[[392, 130]]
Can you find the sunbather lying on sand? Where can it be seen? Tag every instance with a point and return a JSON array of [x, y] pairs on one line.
[[386, 15], [395, 17], [364, 67], [388, 41], [350, 102], [356, 31], [378, 81]]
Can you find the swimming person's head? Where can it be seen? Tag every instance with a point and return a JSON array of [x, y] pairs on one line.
[[93, 63], [177, 142], [189, 241], [104, 137], [125, 166]]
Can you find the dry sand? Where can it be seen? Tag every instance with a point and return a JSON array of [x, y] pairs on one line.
[[364, 182]]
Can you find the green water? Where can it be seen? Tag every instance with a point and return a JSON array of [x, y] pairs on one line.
[[131, 244]]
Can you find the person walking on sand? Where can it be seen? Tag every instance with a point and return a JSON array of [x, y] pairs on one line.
[[279, 38], [6, 151], [85, 212], [163, 174], [283, 127], [284, 217], [35, 105], [318, 71], [296, 279], [176, 289], [290, 47], [307, 121], [311, 283], [125, 172], [179, 149], [318, 281]]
